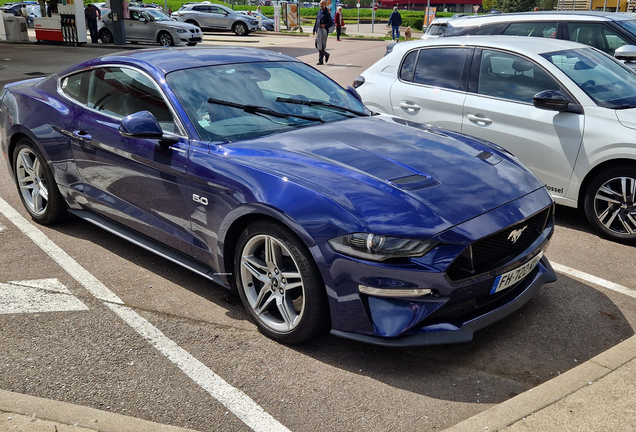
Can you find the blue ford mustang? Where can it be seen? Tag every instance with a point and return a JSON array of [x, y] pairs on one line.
[[268, 177]]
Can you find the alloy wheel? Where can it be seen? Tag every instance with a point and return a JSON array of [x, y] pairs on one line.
[[614, 205], [31, 177], [272, 283]]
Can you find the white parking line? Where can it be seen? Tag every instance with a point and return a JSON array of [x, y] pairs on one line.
[[593, 279], [241, 405]]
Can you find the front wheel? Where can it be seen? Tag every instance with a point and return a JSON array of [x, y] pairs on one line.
[[279, 283], [610, 204], [36, 185], [105, 36], [240, 29], [165, 39]]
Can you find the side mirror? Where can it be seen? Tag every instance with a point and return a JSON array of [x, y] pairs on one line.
[[551, 100], [141, 124], [353, 92], [626, 53]]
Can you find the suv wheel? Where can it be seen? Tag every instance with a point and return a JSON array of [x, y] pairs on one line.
[[240, 29]]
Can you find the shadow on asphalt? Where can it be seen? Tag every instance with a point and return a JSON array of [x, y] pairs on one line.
[[564, 325]]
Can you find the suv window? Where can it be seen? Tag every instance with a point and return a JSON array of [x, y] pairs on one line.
[[533, 29], [440, 67], [511, 77], [408, 66], [597, 35], [484, 30]]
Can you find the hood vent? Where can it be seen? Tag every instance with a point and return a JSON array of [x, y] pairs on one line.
[[414, 182]]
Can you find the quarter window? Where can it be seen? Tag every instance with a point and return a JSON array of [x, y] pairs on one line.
[[440, 67], [597, 35], [75, 86], [408, 66], [508, 76]]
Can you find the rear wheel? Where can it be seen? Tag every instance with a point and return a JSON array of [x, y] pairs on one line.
[[38, 191], [165, 39], [610, 203], [280, 284], [240, 29], [193, 22], [105, 36]]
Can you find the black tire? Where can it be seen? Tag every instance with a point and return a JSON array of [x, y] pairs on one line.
[[36, 185], [609, 204], [164, 39], [283, 292], [193, 22], [240, 29], [105, 36]]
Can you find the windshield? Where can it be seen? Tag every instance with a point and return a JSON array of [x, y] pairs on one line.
[[607, 81], [436, 29], [157, 14], [249, 100], [629, 25]]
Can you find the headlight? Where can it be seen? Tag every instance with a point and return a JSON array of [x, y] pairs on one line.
[[375, 247], [179, 30]]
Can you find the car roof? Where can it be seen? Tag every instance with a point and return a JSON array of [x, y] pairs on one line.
[[166, 60], [530, 46], [469, 21]]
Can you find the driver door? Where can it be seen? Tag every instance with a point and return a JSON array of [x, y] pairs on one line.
[[139, 183]]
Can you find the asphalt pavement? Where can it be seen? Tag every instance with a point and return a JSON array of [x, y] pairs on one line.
[[599, 394]]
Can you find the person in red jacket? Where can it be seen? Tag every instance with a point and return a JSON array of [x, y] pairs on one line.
[[339, 23]]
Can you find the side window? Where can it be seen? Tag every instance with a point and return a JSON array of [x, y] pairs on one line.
[[122, 91], [508, 76], [538, 29], [134, 15], [486, 30], [440, 67], [75, 86], [408, 66], [597, 35]]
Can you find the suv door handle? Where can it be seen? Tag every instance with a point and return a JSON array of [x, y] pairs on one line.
[[478, 119], [409, 106]]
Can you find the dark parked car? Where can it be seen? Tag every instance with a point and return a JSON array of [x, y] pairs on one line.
[[261, 174]]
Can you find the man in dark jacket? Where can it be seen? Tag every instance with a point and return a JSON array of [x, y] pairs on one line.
[[321, 30], [91, 13], [395, 21]]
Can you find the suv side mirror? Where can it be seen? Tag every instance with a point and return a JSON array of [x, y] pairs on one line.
[[551, 100], [626, 53]]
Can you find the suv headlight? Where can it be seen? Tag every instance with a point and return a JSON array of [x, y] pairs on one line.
[[376, 247]]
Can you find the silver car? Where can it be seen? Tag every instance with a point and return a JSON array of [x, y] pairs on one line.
[[217, 17], [154, 26]]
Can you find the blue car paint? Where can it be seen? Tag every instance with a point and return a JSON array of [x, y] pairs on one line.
[[335, 183]]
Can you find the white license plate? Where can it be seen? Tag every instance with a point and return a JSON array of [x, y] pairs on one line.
[[513, 276]]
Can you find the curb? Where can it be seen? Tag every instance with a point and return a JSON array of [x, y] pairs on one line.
[[511, 411], [77, 415]]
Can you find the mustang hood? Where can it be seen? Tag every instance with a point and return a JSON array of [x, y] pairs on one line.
[[395, 176]]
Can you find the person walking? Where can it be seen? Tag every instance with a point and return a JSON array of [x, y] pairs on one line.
[[339, 23], [91, 13], [395, 21], [321, 30]]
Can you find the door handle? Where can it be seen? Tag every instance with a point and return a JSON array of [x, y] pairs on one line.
[[478, 119], [409, 106], [82, 135]]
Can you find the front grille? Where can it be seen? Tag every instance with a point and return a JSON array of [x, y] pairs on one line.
[[497, 249]]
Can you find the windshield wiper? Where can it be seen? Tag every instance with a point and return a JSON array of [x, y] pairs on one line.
[[624, 106], [253, 109], [319, 103]]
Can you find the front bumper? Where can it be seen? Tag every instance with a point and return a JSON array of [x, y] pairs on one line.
[[447, 333], [460, 301]]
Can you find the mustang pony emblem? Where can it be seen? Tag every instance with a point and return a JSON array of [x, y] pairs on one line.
[[514, 235]]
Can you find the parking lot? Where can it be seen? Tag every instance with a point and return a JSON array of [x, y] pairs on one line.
[[98, 322]]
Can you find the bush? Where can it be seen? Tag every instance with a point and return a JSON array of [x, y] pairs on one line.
[[413, 22]]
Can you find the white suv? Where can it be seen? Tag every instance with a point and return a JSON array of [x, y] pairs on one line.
[[216, 17], [568, 111]]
